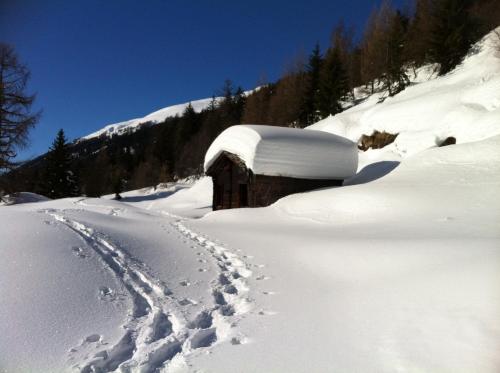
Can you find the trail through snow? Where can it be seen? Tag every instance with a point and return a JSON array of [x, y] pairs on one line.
[[158, 332]]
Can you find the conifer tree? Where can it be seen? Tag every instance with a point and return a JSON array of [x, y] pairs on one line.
[[239, 101], [394, 78], [60, 180], [187, 127], [333, 83], [117, 181], [417, 47], [309, 112], [96, 176], [452, 33]]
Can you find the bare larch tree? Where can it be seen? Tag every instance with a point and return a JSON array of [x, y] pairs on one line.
[[16, 118]]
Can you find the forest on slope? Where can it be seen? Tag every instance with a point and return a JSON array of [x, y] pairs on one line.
[[394, 44]]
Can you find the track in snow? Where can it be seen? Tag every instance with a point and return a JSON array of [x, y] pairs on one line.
[[157, 331], [230, 286]]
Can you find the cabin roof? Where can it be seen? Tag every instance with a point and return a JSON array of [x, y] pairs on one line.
[[283, 151]]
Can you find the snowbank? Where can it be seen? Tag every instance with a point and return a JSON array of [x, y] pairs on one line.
[[292, 152], [440, 183], [187, 197], [23, 197]]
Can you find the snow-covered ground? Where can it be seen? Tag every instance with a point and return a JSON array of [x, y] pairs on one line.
[[397, 271]]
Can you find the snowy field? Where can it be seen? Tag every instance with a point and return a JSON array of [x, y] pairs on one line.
[[397, 271]]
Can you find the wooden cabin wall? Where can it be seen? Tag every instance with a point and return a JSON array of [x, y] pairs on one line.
[[265, 190], [231, 179], [226, 184]]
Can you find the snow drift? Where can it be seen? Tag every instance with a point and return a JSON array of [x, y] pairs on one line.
[[23, 197]]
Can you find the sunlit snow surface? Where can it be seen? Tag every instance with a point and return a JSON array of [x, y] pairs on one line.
[[397, 271]]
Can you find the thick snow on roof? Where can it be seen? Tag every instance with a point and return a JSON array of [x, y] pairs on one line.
[[291, 152]]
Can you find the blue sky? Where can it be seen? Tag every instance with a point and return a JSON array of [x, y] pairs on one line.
[[97, 62]]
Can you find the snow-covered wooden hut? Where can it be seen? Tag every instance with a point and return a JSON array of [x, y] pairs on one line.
[[255, 165]]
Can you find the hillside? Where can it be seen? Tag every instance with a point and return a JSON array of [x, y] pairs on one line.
[[464, 104]]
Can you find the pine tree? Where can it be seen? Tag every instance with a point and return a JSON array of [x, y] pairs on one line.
[[309, 112], [60, 180], [394, 79], [118, 181], [212, 106], [452, 33], [96, 176], [487, 15], [187, 127], [239, 101], [16, 118], [333, 83], [419, 30]]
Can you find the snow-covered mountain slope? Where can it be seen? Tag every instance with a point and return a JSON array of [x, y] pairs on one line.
[[155, 117], [464, 104], [399, 270]]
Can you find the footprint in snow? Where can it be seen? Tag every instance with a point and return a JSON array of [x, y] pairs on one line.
[[92, 338], [184, 283], [204, 338], [202, 321], [187, 302], [78, 251], [107, 294], [235, 341], [266, 313], [260, 278]]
